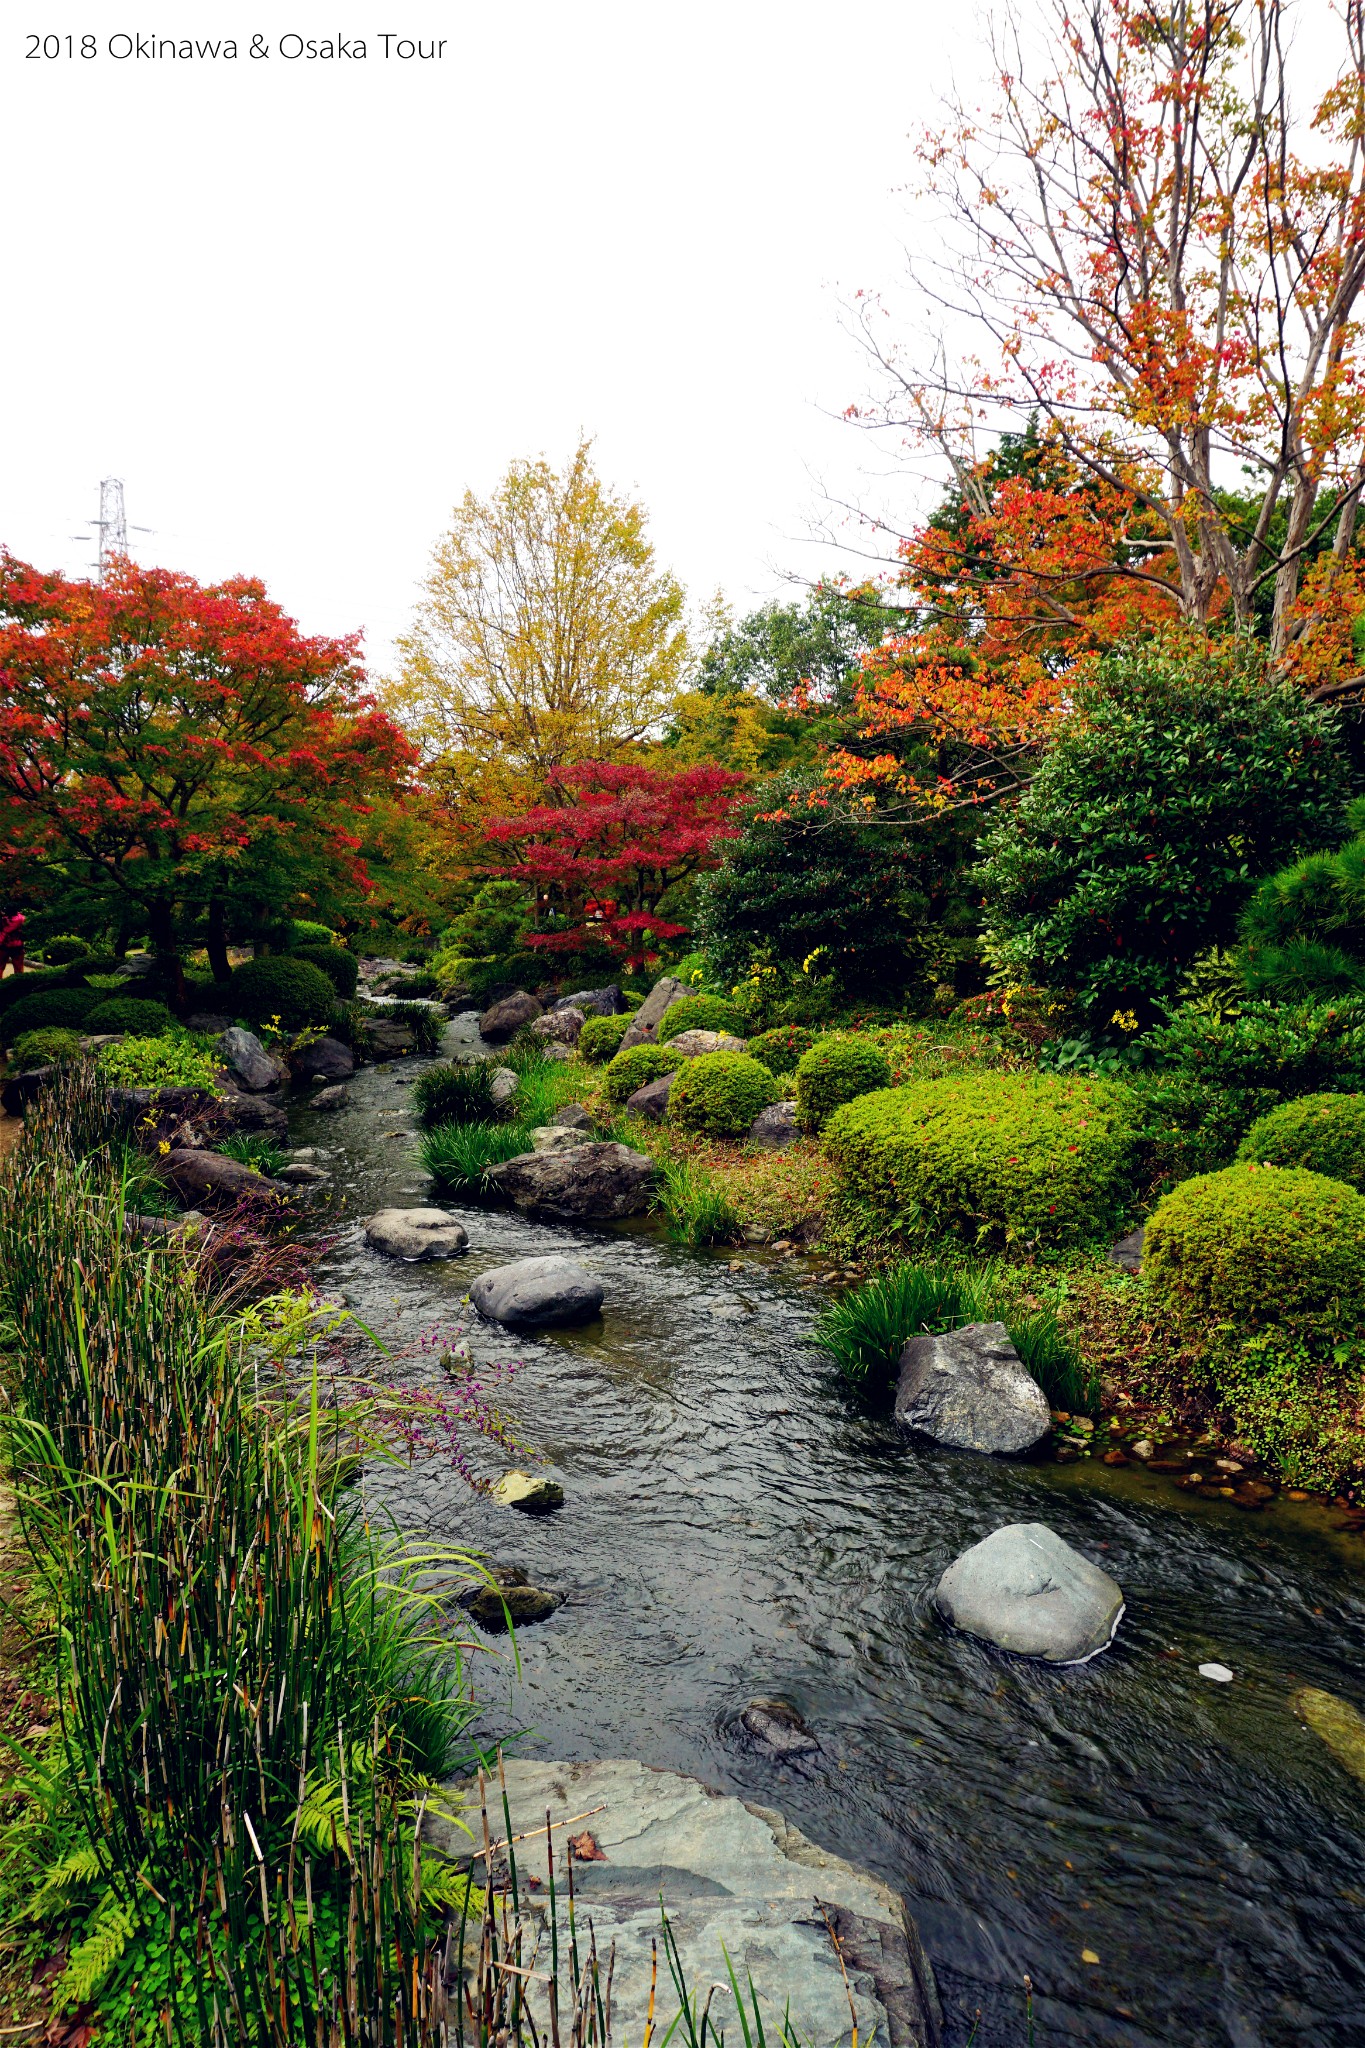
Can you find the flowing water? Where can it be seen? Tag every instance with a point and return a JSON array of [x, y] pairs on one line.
[[737, 1524]]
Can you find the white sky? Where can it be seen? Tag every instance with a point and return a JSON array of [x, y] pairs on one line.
[[300, 306]]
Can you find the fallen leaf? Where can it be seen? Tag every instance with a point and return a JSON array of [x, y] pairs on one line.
[[1088, 1956], [583, 1848]]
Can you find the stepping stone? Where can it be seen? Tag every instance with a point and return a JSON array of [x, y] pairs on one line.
[[533, 1294], [413, 1234]]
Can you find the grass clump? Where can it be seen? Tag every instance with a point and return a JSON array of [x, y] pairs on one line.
[[700, 1013], [866, 1332], [1000, 1160], [634, 1067], [720, 1094], [696, 1211], [458, 1156], [600, 1038], [1321, 1133], [425, 1024], [835, 1071], [461, 1093], [253, 1148]]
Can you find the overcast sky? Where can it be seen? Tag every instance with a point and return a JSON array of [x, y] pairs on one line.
[[299, 306]]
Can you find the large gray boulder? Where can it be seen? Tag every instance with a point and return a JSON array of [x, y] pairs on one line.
[[247, 1060], [775, 1127], [643, 1028], [327, 1059], [652, 1099], [413, 1234], [590, 1184], [503, 1020], [594, 1002], [969, 1388], [572, 1117], [209, 1180], [736, 1879], [510, 1597], [558, 1137], [1025, 1589], [385, 1038], [533, 1294], [562, 1024]]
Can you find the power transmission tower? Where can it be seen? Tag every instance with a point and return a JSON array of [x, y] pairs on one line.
[[112, 524]]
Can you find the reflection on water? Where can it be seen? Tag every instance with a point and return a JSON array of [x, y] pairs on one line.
[[736, 1525]]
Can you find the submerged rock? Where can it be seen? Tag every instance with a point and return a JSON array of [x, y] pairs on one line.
[[775, 1727], [330, 1098], [774, 1128], [1025, 1589], [533, 1294], [736, 1879], [413, 1234], [503, 1020], [511, 1594], [592, 1183], [969, 1388], [534, 1495], [1337, 1723]]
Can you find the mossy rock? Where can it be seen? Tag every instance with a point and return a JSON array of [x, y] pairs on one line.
[[636, 1065], [1321, 1133], [993, 1160], [834, 1071], [700, 1013], [719, 1094]]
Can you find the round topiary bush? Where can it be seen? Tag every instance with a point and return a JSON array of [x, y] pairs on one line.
[[601, 1037], [720, 1094], [700, 1013], [636, 1065], [293, 990], [68, 1007], [780, 1050], [1322, 1133], [834, 1071], [17, 988], [341, 968], [306, 931], [1256, 1245], [64, 948], [50, 1046], [129, 1013], [993, 1159]]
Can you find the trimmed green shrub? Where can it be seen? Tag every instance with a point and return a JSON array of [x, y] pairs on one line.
[[49, 1045], [636, 1065], [131, 1014], [601, 1037], [991, 1159], [1254, 1245], [341, 968], [720, 1094], [1321, 1133], [293, 990], [64, 948], [834, 1071], [177, 1061], [780, 1050], [68, 1007], [16, 988], [461, 1093], [306, 931], [700, 1013]]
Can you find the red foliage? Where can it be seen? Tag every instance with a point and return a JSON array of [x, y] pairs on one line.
[[602, 857]]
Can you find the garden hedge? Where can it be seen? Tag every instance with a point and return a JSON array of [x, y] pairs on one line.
[[601, 1037], [700, 1013], [992, 1159], [636, 1065], [1322, 1133], [66, 1007], [834, 1071], [129, 1013], [781, 1049], [293, 990], [719, 1094]]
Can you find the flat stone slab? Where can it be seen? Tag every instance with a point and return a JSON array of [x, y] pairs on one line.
[[1025, 1589], [735, 1878], [970, 1389], [413, 1234], [533, 1294]]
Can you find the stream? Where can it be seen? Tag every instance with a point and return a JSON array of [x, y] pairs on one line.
[[736, 1524]]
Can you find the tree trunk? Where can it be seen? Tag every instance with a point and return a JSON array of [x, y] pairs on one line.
[[161, 931], [217, 940]]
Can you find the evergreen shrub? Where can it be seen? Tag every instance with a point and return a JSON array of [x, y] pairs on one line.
[[834, 1071], [601, 1037], [719, 1094], [1321, 1133], [993, 1159], [68, 1007], [65, 947], [16, 988], [306, 931], [780, 1049], [129, 1013], [341, 968], [48, 1046], [293, 990], [700, 1013], [631, 1069]]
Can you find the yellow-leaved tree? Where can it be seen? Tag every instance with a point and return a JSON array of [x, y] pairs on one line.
[[547, 634]]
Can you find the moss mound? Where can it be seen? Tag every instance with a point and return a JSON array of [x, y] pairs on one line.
[[781, 1049], [834, 1071], [129, 1013], [1322, 1133], [601, 1037], [639, 1063], [720, 1094], [288, 988], [992, 1159], [700, 1013]]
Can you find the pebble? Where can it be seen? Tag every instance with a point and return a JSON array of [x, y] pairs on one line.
[[1219, 1673], [1144, 1448]]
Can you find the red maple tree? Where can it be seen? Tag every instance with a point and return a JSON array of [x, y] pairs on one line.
[[602, 857], [178, 758]]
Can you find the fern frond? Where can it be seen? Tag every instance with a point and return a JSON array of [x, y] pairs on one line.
[[92, 1960], [81, 1866]]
